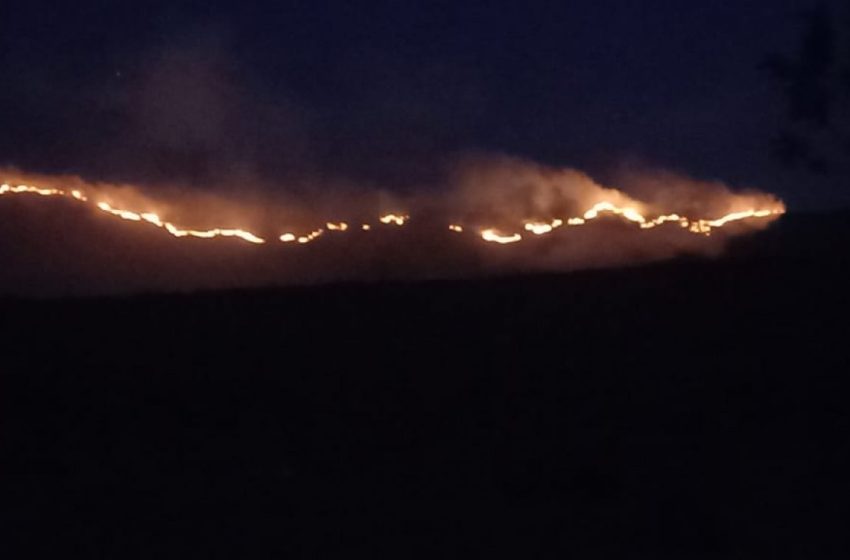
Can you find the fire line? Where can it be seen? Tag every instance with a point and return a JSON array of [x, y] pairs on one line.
[[700, 226]]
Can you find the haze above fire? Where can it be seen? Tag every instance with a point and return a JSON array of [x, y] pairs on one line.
[[536, 217]]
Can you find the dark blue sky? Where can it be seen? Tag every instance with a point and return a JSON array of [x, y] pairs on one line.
[[386, 92]]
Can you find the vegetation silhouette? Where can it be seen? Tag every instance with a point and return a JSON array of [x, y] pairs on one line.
[[815, 85]]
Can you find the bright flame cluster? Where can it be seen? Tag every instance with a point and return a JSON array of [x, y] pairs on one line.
[[303, 239], [154, 219], [397, 219], [489, 234], [629, 214], [26, 189]]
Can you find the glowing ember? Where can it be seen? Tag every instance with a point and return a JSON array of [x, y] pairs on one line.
[[696, 226], [628, 213], [540, 228], [396, 219], [20, 189], [720, 222], [456, 228], [310, 236], [660, 220], [493, 236], [152, 218], [342, 226], [124, 214]]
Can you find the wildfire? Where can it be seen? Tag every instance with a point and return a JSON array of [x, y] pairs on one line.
[[720, 222], [540, 228], [154, 219], [310, 236], [4, 189], [628, 213], [396, 219], [493, 236], [536, 227]]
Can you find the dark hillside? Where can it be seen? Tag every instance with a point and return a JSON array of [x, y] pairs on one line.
[[685, 410]]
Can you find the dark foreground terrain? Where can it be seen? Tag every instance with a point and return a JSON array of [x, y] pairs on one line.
[[696, 409]]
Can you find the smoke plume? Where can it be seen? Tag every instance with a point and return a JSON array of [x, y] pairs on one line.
[[491, 214]]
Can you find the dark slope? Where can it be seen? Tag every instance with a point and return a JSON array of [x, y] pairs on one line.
[[695, 409], [56, 248]]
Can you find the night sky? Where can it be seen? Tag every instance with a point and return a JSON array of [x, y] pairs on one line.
[[385, 93], [415, 279]]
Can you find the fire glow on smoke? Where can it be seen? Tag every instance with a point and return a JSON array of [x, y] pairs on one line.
[[534, 223], [491, 214]]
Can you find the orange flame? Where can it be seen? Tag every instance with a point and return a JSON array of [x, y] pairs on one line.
[[493, 236], [396, 219], [178, 232], [541, 228], [489, 234], [310, 236], [20, 189]]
